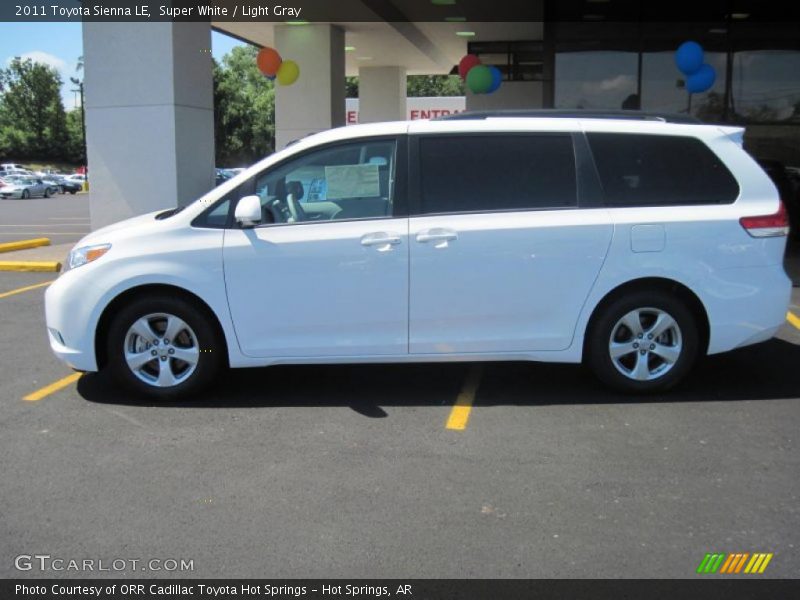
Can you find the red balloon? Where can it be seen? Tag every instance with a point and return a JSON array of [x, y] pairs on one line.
[[268, 61], [469, 61]]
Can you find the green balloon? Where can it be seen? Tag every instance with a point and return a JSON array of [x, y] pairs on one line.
[[479, 79]]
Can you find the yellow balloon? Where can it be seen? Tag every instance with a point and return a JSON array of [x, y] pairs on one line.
[[288, 72]]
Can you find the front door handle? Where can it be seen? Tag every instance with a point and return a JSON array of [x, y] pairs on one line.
[[382, 240], [439, 235]]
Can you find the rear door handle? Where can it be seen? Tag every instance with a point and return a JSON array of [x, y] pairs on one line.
[[383, 240], [437, 234]]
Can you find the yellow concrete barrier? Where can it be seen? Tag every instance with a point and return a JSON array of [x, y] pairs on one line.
[[24, 244], [29, 266]]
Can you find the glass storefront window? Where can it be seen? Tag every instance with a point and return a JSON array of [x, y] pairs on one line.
[[662, 93], [596, 79], [766, 88]]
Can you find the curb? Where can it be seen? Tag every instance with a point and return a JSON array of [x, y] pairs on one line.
[[30, 266], [24, 244]]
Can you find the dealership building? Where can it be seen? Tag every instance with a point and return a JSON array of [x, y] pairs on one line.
[[149, 94]]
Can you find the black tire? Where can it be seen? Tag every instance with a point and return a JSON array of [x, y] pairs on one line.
[[25, 194], [46, 192], [211, 348], [598, 355], [73, 192]]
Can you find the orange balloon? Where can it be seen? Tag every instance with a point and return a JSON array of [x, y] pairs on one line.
[[268, 61]]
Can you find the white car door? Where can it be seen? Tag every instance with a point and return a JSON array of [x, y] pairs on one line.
[[502, 257], [326, 273]]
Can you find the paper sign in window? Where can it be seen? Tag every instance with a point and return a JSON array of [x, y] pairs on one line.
[[352, 181]]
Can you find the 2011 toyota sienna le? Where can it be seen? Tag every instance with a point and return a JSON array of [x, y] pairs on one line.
[[635, 245]]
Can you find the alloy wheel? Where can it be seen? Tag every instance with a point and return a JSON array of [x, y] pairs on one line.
[[645, 344], [161, 350]]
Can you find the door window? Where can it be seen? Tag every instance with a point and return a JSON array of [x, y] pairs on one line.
[[342, 182], [482, 173]]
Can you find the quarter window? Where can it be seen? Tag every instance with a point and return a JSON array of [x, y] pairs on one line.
[[512, 172], [660, 170]]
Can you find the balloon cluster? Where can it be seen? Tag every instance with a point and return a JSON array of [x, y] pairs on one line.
[[480, 79], [699, 75], [274, 67]]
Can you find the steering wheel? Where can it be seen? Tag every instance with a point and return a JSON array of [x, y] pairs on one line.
[[295, 209]]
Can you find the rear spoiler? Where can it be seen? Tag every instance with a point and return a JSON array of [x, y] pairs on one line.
[[736, 134]]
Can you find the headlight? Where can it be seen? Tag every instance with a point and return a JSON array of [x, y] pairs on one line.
[[81, 256]]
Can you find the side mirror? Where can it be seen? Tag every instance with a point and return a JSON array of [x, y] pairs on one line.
[[248, 211]]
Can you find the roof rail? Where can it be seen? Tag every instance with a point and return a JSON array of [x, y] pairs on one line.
[[556, 113]]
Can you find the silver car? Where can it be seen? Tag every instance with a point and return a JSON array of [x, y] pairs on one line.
[[26, 187]]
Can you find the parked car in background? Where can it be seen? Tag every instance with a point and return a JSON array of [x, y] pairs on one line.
[[63, 184], [221, 176], [16, 173], [26, 187], [634, 245], [12, 167]]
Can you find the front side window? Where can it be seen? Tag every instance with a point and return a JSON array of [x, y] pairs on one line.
[[345, 181], [660, 170], [481, 173]]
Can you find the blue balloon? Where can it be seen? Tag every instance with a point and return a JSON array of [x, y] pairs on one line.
[[497, 79], [702, 80], [689, 57], [271, 77]]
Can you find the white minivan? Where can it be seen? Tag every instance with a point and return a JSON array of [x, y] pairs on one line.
[[635, 244]]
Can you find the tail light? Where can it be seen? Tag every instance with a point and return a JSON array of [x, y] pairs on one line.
[[763, 226]]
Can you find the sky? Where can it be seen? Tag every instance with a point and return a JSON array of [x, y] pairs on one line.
[[60, 44]]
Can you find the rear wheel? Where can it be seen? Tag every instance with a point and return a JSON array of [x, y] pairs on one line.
[[46, 192], [643, 342], [163, 346], [25, 194]]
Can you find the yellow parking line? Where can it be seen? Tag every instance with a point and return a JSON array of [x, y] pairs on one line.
[[52, 388], [793, 319], [25, 289], [459, 414]]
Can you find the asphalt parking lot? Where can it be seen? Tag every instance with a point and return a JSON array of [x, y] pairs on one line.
[[64, 218], [352, 471]]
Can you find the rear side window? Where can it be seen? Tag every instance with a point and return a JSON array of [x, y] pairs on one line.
[[480, 173], [659, 170]]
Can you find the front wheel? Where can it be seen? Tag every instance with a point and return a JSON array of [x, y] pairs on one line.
[[25, 194], [643, 342], [163, 346]]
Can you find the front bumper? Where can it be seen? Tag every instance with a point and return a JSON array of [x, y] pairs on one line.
[[71, 323]]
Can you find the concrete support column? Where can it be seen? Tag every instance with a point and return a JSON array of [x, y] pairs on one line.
[[381, 94], [149, 116], [316, 101]]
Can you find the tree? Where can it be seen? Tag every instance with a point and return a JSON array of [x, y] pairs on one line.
[[434, 85], [244, 109], [418, 86], [32, 116], [75, 150]]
